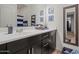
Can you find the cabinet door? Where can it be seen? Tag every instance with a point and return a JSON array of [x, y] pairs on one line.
[[23, 51], [18, 45], [34, 44], [53, 39], [3, 49], [36, 50], [34, 41]]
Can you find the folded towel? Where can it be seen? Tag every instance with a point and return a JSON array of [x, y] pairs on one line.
[[75, 52]]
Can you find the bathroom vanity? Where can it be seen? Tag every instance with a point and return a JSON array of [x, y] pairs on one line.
[[29, 42]]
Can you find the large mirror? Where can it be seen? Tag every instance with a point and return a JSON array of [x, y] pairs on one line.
[[70, 25]]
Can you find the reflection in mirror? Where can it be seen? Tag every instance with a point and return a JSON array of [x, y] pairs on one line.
[[70, 25]]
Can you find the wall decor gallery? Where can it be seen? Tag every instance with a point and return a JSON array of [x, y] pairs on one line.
[[47, 13]]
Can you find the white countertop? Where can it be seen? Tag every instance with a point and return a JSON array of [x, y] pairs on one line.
[[5, 38]]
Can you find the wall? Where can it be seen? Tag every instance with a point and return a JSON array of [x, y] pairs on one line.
[[8, 15]]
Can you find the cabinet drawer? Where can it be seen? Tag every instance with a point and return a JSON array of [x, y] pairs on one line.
[[45, 35], [17, 45]]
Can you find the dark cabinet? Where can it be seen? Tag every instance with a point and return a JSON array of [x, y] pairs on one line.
[[18, 45], [39, 44], [36, 50], [3, 49], [23, 51], [44, 43], [53, 39], [48, 43], [34, 43]]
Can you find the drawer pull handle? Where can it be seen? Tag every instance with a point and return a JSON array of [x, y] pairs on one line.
[[45, 35], [45, 45]]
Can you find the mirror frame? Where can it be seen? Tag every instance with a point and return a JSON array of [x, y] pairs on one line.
[[76, 8]]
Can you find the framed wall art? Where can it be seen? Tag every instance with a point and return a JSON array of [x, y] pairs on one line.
[[50, 14]]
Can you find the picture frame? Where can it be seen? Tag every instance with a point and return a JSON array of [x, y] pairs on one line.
[[41, 12], [50, 14], [41, 16], [50, 10], [51, 18], [41, 19]]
